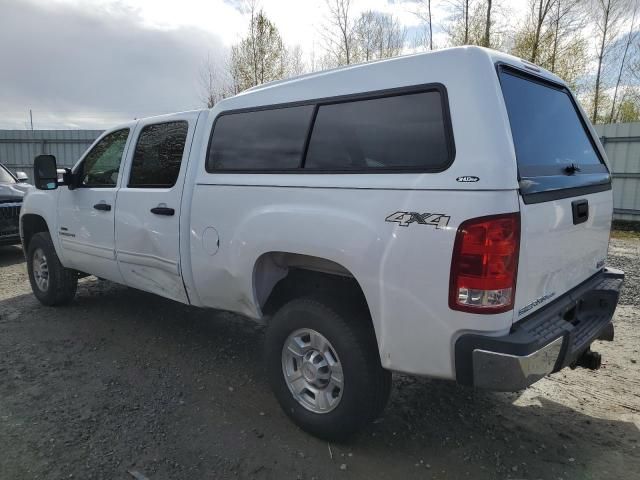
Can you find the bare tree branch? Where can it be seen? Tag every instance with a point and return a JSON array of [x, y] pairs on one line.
[[631, 36], [609, 15], [423, 12], [215, 81], [340, 34], [487, 26]]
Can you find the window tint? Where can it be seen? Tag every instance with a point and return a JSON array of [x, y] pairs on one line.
[[158, 155], [260, 140], [404, 131], [101, 165], [545, 125]]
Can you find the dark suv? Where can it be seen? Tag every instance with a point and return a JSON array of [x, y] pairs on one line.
[[12, 189]]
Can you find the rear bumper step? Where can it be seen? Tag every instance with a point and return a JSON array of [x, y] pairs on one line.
[[554, 337]]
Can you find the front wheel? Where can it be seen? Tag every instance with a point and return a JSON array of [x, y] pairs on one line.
[[324, 368], [52, 284]]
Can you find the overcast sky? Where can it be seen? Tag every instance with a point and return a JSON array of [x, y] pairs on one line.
[[93, 64]]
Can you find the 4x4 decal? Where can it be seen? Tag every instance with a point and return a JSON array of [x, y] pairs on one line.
[[404, 219]]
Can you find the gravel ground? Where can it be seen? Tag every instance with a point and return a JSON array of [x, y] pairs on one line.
[[124, 381]]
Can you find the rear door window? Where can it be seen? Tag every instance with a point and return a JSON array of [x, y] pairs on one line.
[[548, 132], [158, 155]]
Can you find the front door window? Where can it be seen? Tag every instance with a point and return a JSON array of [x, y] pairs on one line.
[[102, 164]]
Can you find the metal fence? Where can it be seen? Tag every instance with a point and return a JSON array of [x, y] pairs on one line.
[[621, 141], [19, 147]]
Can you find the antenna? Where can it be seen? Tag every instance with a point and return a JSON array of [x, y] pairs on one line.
[[31, 119]]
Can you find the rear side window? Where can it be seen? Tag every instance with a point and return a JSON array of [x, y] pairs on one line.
[[548, 133], [158, 155], [396, 132], [260, 140]]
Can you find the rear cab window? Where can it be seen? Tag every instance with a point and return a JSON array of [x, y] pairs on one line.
[[556, 155]]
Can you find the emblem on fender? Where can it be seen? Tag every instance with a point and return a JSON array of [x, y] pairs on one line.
[[404, 219]]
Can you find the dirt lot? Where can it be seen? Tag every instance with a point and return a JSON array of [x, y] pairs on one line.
[[122, 380]]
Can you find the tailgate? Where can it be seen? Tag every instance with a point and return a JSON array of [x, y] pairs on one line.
[[566, 203], [556, 254]]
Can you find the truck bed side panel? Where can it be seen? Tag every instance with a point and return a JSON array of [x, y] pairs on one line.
[[402, 269]]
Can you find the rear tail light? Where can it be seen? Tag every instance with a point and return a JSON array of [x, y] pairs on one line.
[[485, 264]]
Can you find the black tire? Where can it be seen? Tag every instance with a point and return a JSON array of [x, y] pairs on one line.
[[62, 282], [366, 383]]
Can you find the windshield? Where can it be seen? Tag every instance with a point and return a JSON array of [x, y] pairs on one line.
[[548, 132], [5, 176]]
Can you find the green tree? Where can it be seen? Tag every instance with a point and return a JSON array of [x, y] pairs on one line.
[[537, 30], [551, 36], [628, 111], [259, 57]]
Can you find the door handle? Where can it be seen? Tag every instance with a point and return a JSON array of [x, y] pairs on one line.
[[103, 207], [580, 210], [163, 211]]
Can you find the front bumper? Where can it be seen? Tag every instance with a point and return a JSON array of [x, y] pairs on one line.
[[9, 223], [13, 239], [544, 342]]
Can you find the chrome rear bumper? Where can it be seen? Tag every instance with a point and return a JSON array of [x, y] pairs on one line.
[[546, 341], [497, 371]]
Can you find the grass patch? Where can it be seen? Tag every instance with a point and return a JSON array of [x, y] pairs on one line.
[[625, 234], [622, 229]]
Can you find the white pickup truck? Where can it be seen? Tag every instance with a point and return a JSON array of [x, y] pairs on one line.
[[443, 214]]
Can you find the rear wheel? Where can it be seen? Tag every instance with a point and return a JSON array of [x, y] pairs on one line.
[[324, 368], [52, 284]]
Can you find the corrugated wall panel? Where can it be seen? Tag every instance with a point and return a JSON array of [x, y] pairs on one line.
[[622, 144], [19, 147]]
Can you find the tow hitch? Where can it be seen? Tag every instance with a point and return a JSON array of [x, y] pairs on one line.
[[589, 359]]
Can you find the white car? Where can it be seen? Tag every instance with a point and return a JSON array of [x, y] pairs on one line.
[[443, 214]]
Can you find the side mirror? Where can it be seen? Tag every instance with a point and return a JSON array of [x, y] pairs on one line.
[[22, 177], [45, 172]]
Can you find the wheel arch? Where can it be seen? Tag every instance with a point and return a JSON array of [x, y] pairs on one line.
[[280, 276], [30, 224]]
